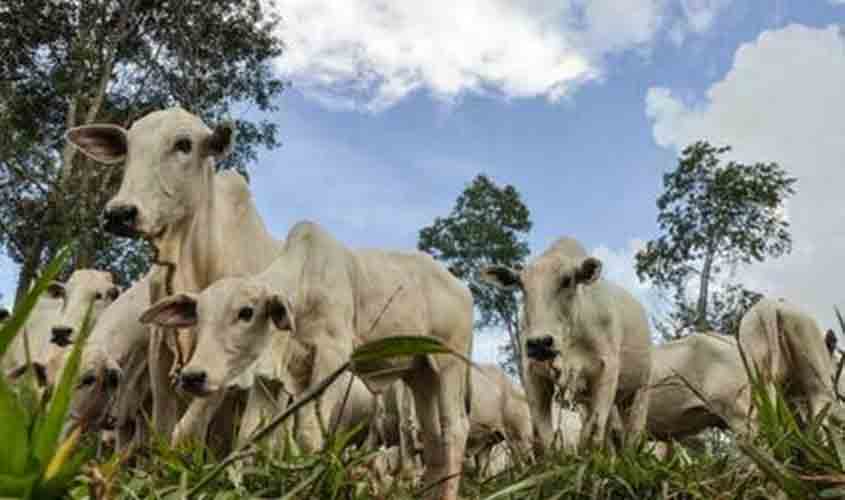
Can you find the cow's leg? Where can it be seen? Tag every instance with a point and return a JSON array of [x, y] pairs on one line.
[[540, 392], [193, 426], [166, 401], [262, 404], [602, 395], [439, 399], [312, 417], [637, 416], [408, 435]]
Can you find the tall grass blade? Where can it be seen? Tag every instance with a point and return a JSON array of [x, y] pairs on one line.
[[48, 430]]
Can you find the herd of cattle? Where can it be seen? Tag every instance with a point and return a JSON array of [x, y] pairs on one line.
[[230, 324]]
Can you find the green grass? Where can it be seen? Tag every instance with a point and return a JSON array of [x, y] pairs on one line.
[[790, 457]]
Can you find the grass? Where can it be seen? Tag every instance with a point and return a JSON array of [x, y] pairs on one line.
[[790, 456]]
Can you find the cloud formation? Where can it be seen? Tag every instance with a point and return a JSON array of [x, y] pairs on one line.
[[369, 54], [781, 101]]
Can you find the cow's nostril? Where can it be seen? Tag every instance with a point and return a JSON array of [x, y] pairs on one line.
[[61, 336]]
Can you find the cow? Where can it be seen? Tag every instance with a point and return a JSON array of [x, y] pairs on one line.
[[702, 365], [113, 382], [203, 227], [331, 299], [583, 334], [787, 349], [36, 337], [498, 412], [85, 288]]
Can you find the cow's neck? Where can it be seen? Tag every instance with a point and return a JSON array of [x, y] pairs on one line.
[[222, 239]]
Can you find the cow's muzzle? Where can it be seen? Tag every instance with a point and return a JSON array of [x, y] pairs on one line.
[[121, 220], [194, 382], [61, 336], [540, 348]]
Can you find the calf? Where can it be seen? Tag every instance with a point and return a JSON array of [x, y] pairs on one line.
[[330, 299]]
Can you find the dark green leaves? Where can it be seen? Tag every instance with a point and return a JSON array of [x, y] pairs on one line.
[[725, 213], [489, 224]]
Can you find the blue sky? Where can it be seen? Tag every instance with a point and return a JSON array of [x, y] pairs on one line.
[[581, 105]]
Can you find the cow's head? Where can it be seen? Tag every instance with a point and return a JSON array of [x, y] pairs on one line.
[[551, 285], [4, 314], [234, 318], [169, 166], [85, 287]]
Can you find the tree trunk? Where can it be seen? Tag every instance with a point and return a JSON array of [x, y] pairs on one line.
[[28, 269], [512, 325], [701, 323]]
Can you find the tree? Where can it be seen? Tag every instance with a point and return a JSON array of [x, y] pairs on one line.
[[488, 225], [715, 215], [69, 63]]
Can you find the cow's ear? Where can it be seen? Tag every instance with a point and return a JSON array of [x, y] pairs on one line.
[[830, 341], [280, 313], [589, 271], [103, 143], [175, 311], [501, 277], [221, 141]]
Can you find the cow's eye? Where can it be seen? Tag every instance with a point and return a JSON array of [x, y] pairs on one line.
[[98, 296], [87, 379], [183, 145], [245, 314]]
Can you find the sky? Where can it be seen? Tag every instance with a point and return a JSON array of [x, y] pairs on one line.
[[582, 105]]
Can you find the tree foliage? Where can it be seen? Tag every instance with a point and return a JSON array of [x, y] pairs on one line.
[[69, 63], [714, 215], [488, 225]]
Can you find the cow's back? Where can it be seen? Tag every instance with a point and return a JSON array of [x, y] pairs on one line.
[[424, 298]]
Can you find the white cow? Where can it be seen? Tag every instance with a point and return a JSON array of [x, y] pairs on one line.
[[36, 333], [788, 348], [204, 227], [498, 412], [84, 288], [711, 364], [331, 299], [114, 382], [583, 334]]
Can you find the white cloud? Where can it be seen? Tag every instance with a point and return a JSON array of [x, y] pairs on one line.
[[369, 54], [781, 101]]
